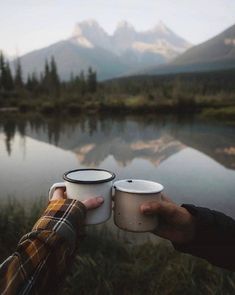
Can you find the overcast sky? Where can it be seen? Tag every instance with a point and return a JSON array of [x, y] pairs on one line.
[[26, 25]]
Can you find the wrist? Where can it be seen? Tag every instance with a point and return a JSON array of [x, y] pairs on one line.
[[191, 229], [65, 218], [187, 227], [191, 212]]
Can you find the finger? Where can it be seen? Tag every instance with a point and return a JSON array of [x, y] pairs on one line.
[[59, 194], [162, 208], [93, 203]]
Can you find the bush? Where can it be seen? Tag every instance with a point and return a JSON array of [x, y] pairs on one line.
[[47, 108], [73, 107]]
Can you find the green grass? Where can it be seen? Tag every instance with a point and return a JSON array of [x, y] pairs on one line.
[[15, 221], [105, 265]]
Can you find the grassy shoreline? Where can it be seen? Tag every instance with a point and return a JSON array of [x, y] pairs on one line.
[[132, 105]]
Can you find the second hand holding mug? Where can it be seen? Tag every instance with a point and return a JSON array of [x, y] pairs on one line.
[[82, 184]]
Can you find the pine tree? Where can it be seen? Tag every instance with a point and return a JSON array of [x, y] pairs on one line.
[[5, 74], [46, 77], [50, 79], [82, 82], [9, 79], [1, 68], [33, 84], [91, 80], [54, 78], [47, 69], [18, 75], [29, 83], [53, 72]]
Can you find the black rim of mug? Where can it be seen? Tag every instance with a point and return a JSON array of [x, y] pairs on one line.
[[65, 176]]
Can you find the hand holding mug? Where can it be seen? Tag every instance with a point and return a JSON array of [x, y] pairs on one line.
[[175, 223], [91, 203]]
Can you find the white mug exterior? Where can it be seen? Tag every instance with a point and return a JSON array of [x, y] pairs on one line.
[[82, 192]]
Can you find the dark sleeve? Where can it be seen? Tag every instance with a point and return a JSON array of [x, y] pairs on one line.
[[214, 237]]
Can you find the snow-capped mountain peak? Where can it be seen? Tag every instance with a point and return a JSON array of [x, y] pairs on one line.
[[90, 34], [161, 27]]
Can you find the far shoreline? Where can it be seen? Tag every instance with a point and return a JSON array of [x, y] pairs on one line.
[[215, 112]]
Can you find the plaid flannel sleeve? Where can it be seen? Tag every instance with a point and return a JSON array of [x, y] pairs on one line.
[[43, 256]]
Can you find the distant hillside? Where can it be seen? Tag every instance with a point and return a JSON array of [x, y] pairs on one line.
[[71, 58], [187, 84], [110, 55], [216, 53]]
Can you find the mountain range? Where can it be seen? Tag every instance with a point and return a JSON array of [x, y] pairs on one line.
[[130, 52], [123, 52]]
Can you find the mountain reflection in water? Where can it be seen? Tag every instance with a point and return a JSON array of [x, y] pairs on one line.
[[193, 159]]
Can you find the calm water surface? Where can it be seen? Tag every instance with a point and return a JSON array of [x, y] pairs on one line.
[[194, 160]]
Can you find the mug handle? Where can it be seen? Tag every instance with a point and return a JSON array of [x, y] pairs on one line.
[[54, 187]]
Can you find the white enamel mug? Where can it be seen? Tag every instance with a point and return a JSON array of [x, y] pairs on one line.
[[129, 194], [82, 184]]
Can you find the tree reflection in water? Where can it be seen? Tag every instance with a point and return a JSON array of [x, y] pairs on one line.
[[93, 138]]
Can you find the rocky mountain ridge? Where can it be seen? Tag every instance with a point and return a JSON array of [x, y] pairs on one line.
[[217, 53]]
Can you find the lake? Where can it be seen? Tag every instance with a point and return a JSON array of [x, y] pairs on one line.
[[192, 158]]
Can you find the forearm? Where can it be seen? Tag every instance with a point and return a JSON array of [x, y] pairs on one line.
[[214, 237], [42, 256]]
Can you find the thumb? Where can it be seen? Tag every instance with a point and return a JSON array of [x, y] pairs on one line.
[[93, 203]]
